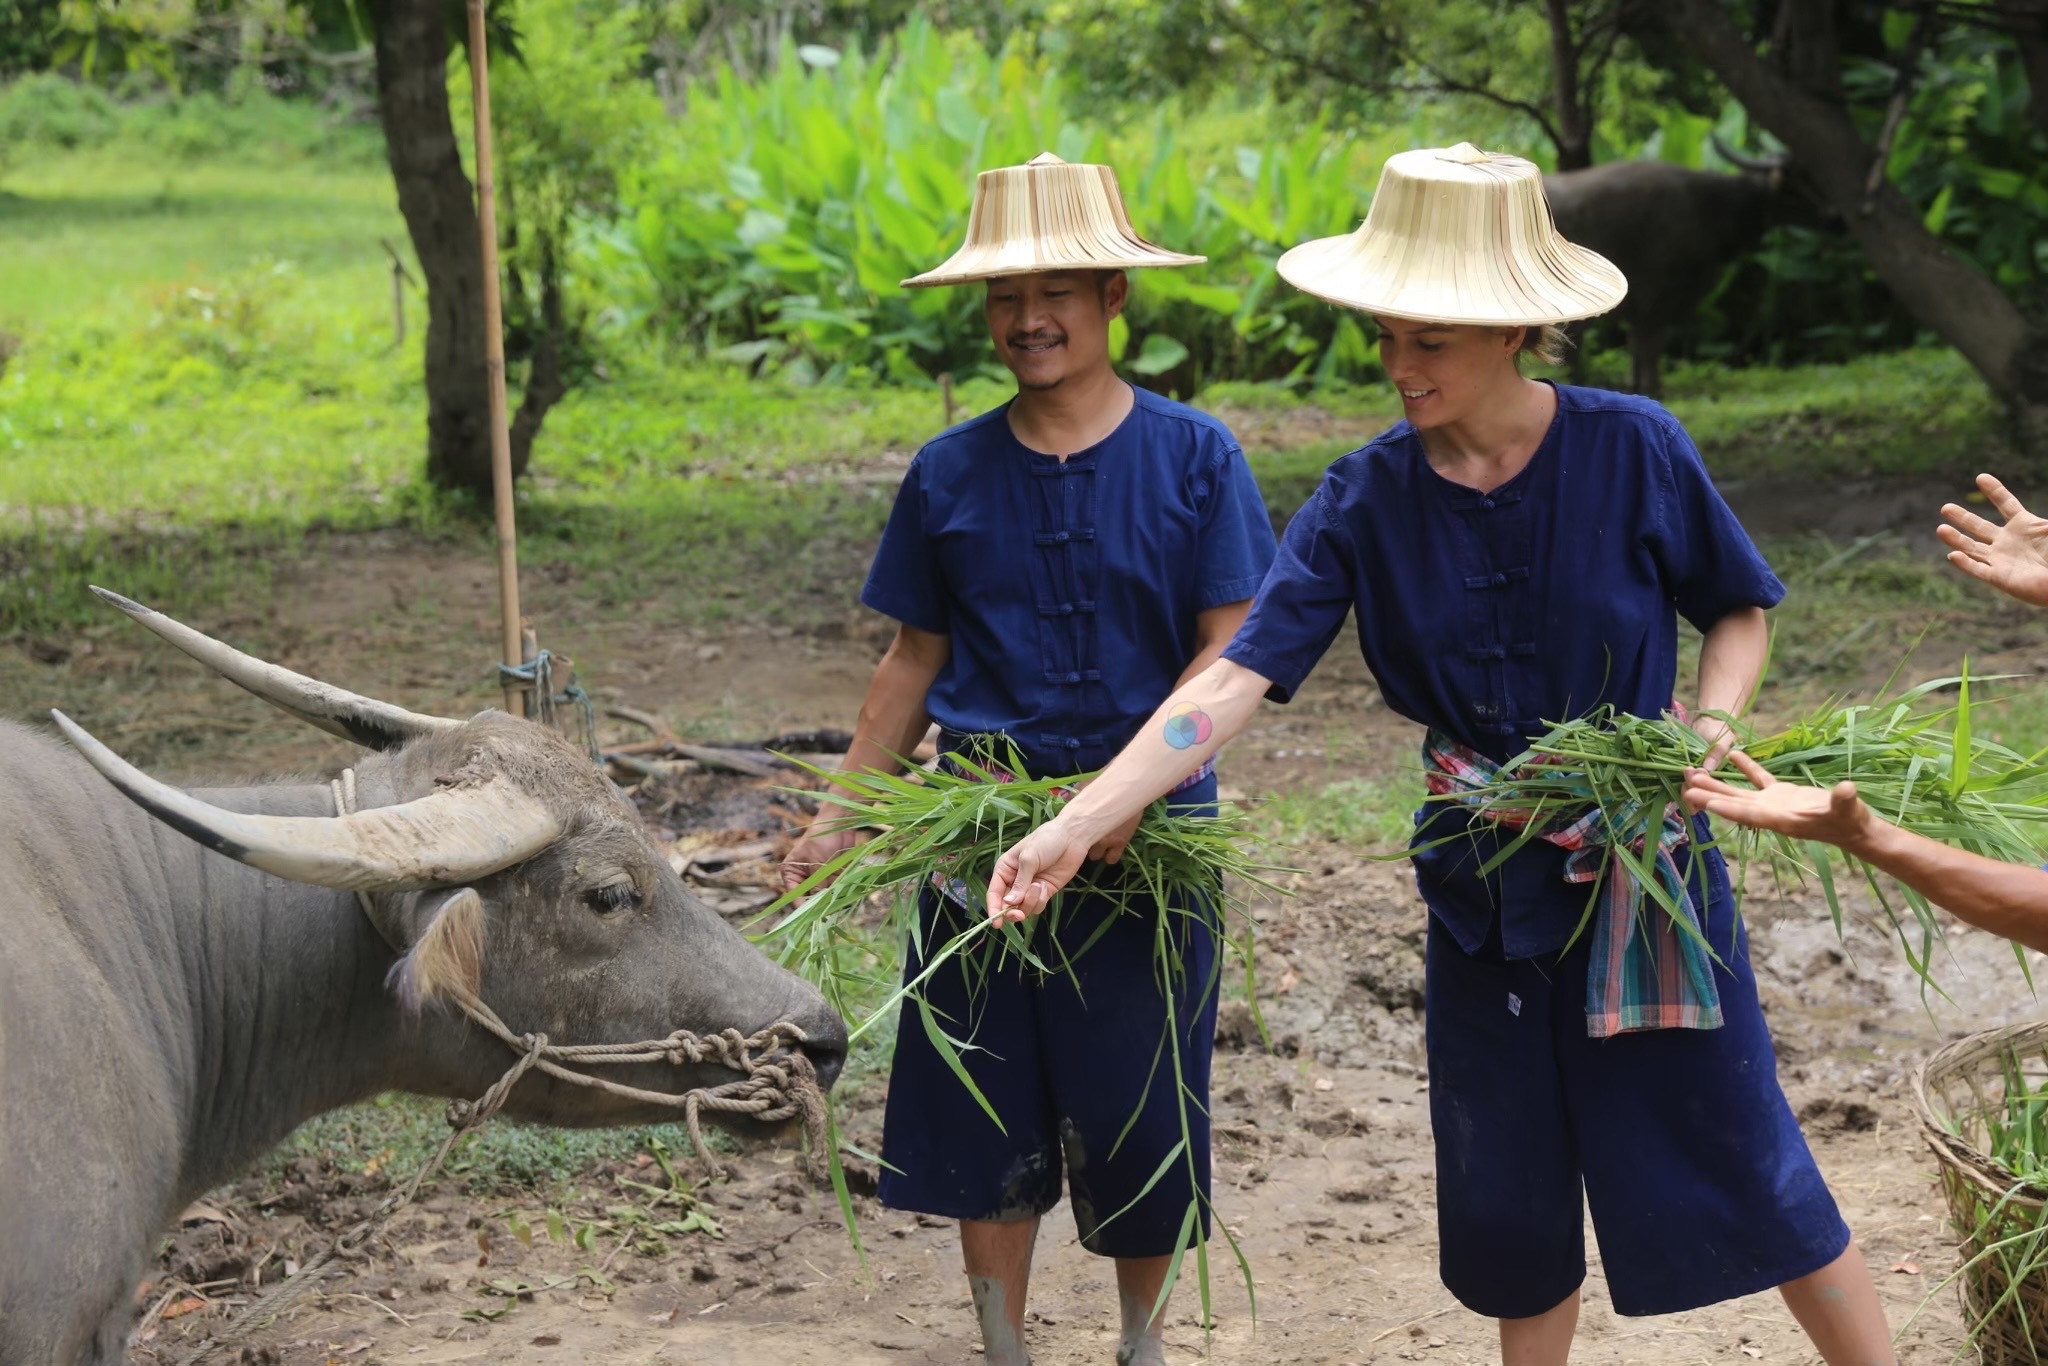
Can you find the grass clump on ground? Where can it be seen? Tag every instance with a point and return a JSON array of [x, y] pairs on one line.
[[396, 1134]]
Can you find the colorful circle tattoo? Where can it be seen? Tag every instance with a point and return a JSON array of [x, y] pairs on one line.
[[1187, 725]]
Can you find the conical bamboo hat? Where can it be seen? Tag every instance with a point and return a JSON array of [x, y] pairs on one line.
[[1047, 214], [1457, 235]]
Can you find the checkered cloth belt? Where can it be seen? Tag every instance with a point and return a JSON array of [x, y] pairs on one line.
[[1659, 978], [955, 889]]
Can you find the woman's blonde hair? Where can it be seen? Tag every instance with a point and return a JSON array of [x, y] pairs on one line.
[[1548, 343]]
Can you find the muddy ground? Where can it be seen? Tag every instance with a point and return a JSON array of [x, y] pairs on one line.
[[1322, 1149]]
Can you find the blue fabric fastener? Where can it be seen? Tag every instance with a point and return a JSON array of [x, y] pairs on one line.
[[1069, 589]]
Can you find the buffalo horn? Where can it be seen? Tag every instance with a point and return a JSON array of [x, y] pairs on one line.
[[368, 722], [444, 839], [1776, 162]]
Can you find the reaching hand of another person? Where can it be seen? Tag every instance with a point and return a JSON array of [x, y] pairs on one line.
[[813, 851], [1835, 815], [2012, 558], [1032, 871]]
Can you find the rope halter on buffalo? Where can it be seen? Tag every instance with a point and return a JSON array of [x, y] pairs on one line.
[[776, 1082]]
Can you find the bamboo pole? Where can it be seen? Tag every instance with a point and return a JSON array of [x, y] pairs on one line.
[[494, 359]]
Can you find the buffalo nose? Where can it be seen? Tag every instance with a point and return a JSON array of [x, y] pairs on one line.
[[825, 1044]]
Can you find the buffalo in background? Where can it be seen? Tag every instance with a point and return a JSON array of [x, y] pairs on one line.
[[1673, 231]]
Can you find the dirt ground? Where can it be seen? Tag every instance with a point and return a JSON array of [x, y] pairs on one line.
[[1323, 1155]]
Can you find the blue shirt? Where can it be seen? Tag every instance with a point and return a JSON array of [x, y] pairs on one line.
[[1492, 615], [1069, 588]]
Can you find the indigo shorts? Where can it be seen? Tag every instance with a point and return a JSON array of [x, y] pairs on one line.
[[1078, 1064], [1700, 1185]]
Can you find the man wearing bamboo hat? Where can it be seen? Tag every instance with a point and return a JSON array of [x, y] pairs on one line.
[[1056, 567], [1519, 553]]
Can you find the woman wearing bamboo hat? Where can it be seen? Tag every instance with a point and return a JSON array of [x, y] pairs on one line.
[[1518, 553]]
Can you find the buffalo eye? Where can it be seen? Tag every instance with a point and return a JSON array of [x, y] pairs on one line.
[[618, 895]]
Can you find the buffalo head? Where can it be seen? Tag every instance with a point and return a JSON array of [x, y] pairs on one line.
[[496, 860]]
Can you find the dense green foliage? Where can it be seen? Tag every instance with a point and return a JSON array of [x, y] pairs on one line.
[[779, 216], [685, 173]]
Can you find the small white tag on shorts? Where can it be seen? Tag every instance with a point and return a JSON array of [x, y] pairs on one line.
[[1514, 1005]]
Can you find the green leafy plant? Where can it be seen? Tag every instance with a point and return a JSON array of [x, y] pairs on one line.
[[775, 222], [954, 823], [1916, 761]]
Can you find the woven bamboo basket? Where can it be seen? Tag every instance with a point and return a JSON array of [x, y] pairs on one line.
[[2001, 1222]]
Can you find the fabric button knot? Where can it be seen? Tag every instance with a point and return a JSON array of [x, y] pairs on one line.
[[1486, 503], [1500, 581]]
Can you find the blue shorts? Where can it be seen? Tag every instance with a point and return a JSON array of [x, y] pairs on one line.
[[1078, 1065], [1700, 1185]]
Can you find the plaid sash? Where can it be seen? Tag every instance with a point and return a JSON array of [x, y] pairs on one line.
[[1662, 978]]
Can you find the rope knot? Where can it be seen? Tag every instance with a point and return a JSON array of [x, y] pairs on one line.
[[682, 1048]]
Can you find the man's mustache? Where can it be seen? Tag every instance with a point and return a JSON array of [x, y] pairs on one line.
[[1038, 338]]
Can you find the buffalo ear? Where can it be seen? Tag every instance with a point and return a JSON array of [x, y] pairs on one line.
[[448, 957]]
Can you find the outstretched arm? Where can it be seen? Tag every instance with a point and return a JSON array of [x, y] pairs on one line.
[[1731, 665], [2006, 898], [2012, 558], [1202, 716], [892, 721], [1213, 630]]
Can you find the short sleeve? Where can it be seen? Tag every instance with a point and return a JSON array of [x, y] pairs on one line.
[[1302, 603], [1236, 544], [905, 581], [1709, 565]]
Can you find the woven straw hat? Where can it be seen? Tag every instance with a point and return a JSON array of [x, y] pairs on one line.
[[1048, 214], [1457, 235]]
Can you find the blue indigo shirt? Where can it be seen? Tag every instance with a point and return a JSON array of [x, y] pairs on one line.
[[1490, 616], [1069, 588]]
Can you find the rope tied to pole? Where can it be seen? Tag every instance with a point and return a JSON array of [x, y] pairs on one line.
[[537, 677]]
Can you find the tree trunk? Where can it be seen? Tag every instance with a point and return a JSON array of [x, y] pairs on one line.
[[1574, 115], [1804, 46], [544, 383], [1943, 292], [439, 204]]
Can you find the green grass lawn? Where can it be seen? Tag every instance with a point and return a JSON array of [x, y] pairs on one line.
[[106, 234]]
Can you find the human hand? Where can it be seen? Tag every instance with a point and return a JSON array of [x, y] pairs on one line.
[[1110, 848], [813, 851], [2012, 558], [1832, 815], [1720, 738], [1033, 870]]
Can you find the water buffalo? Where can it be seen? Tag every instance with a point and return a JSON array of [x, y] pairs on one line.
[[1672, 230], [186, 976]]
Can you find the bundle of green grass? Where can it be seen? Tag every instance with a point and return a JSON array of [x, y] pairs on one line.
[[952, 824], [1914, 757]]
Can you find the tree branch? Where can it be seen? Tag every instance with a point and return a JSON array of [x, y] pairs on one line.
[[1895, 112], [1574, 145], [1440, 82], [1941, 290]]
